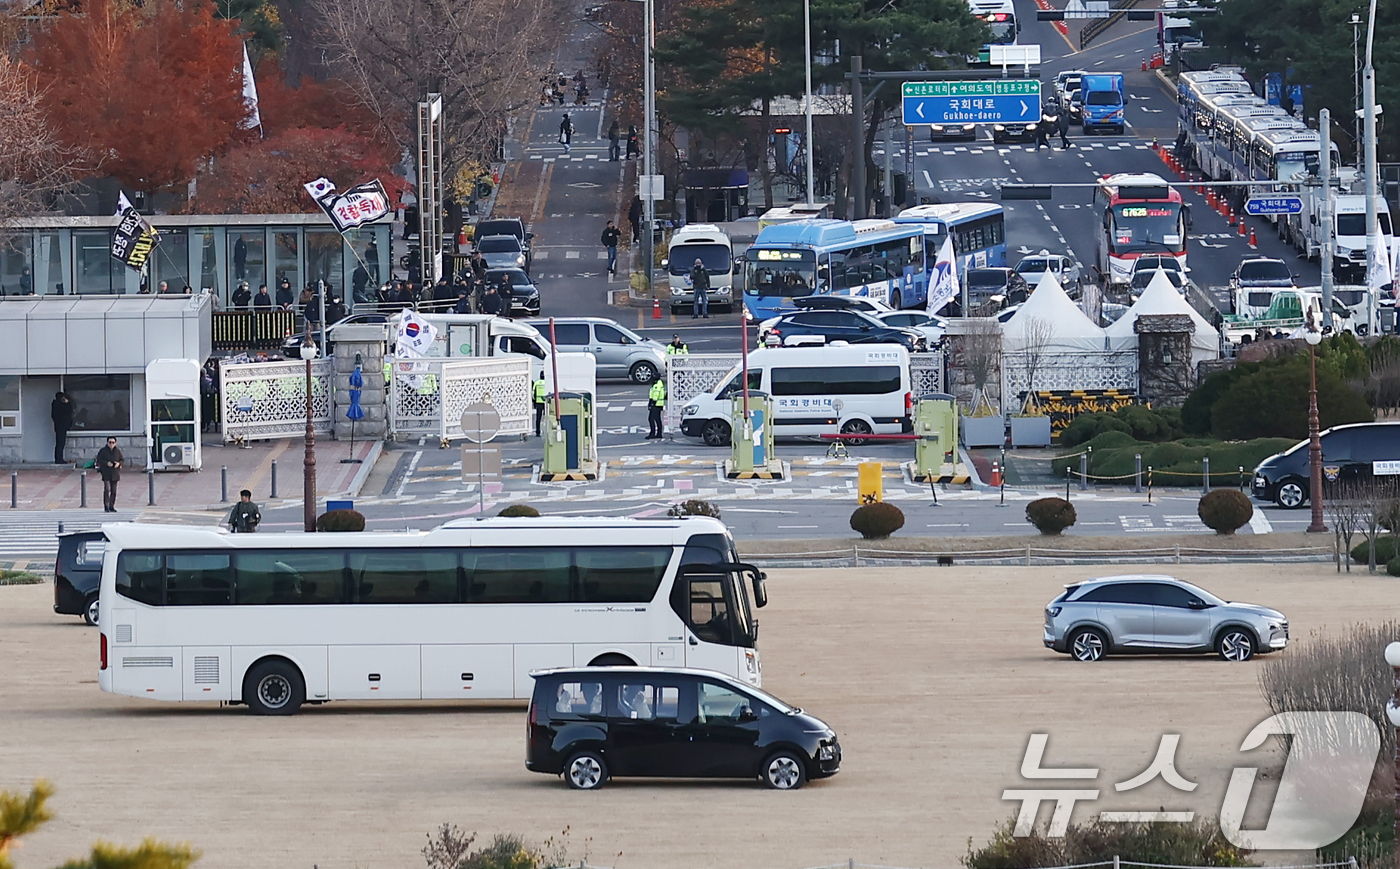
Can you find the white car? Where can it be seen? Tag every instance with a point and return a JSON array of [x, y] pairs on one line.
[[1145, 267], [932, 326], [1066, 270]]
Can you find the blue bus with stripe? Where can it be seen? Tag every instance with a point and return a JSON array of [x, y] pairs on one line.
[[978, 230], [874, 259]]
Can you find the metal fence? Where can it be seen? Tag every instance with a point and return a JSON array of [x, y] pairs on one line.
[[1032, 556], [418, 387], [252, 330], [265, 400]]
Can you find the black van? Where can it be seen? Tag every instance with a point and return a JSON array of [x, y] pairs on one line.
[[77, 572], [589, 724], [1349, 453], [506, 226]]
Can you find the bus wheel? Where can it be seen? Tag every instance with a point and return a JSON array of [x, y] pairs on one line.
[[896, 300], [855, 427], [715, 433], [274, 687]]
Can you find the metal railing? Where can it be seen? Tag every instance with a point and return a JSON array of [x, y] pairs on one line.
[[1034, 556], [1120, 9]]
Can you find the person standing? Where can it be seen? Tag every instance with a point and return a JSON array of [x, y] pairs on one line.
[[1062, 127], [244, 517], [284, 295], [262, 301], [242, 296], [634, 148], [614, 142], [566, 133], [61, 412], [700, 280], [109, 465], [634, 216], [611, 236], [656, 403], [537, 393], [1042, 134], [491, 303], [677, 347]]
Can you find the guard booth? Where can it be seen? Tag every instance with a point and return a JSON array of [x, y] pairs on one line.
[[570, 439], [936, 450], [173, 423], [751, 440]]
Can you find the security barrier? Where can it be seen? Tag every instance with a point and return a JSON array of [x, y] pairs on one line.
[[252, 330], [267, 400]]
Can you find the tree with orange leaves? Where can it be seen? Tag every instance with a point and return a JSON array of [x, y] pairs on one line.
[[148, 91]]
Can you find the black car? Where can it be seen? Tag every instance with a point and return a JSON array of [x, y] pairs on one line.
[[952, 131], [524, 295], [507, 226], [1349, 453], [77, 574], [1002, 133], [992, 289], [853, 327], [590, 724]]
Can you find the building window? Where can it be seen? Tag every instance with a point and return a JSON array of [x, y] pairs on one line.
[[95, 263], [16, 269], [9, 404], [101, 402]]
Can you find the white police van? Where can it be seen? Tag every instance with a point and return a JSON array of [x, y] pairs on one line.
[[836, 389]]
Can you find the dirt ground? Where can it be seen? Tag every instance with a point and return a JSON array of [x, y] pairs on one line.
[[934, 678]]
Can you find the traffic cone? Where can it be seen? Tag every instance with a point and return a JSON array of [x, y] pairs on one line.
[[996, 475], [1253, 239], [1210, 197], [1243, 231], [656, 309]]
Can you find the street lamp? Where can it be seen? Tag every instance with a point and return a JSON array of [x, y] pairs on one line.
[[1355, 22], [807, 56], [1313, 336], [1392, 711], [308, 462]]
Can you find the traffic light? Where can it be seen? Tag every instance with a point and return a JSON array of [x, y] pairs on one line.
[[483, 189], [781, 131]]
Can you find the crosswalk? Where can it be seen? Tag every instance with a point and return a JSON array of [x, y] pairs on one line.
[[971, 150], [34, 533]]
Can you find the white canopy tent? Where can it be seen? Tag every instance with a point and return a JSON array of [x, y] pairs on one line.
[[1160, 297], [1051, 318]]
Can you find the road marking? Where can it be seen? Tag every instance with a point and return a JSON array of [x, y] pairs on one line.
[[799, 526], [1259, 523], [408, 474], [571, 254]]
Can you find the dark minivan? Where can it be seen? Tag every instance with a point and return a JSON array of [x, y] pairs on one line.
[[1349, 453], [589, 724], [77, 573], [507, 226]]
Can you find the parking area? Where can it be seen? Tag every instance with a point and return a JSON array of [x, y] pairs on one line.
[[933, 677]]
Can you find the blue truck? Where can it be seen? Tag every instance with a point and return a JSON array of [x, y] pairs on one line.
[[1105, 99]]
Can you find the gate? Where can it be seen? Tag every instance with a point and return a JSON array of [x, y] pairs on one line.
[[420, 387], [926, 373], [267, 400], [690, 375]]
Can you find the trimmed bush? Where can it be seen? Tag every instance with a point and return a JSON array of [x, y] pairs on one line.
[[1197, 844], [1387, 548], [1225, 510], [1392, 567], [519, 510], [877, 521], [1051, 515], [1175, 463], [694, 507], [341, 520]]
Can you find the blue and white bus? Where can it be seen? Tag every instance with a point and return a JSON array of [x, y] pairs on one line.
[[874, 259], [978, 229]]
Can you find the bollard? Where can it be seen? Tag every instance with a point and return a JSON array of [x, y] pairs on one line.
[[1241, 478], [1205, 475], [14, 489], [151, 487], [1149, 485], [82, 489], [1068, 474], [273, 494], [1137, 473], [223, 484], [60, 529], [1083, 471]]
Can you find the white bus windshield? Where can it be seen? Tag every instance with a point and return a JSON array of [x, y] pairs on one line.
[[715, 258]]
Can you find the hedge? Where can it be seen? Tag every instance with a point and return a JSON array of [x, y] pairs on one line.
[[1175, 463]]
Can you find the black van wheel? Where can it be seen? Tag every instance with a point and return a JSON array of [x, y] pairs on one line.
[[715, 433], [274, 687], [856, 427], [90, 610], [586, 771], [784, 771], [1290, 494]]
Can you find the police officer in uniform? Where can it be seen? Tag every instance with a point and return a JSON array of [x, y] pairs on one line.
[[538, 391], [677, 347], [656, 402]]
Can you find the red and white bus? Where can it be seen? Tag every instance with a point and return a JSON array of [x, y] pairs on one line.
[[1138, 214]]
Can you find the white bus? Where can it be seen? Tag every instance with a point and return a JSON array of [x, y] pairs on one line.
[[466, 610], [709, 244]]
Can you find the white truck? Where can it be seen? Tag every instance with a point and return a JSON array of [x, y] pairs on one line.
[[1284, 315], [1307, 233], [475, 335]]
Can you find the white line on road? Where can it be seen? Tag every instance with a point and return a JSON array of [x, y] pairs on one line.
[[799, 526], [408, 475], [1259, 523]]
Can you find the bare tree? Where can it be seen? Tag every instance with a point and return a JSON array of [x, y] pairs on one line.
[[1345, 507], [34, 165], [1378, 509], [976, 351], [483, 56], [1038, 336]]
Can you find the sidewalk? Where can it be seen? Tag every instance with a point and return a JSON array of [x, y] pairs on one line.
[[59, 488]]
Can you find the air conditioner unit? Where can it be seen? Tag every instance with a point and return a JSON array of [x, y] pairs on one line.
[[177, 454]]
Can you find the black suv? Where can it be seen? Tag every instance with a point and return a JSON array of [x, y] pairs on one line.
[[854, 327], [992, 289], [77, 573], [507, 226], [1349, 453], [591, 723]]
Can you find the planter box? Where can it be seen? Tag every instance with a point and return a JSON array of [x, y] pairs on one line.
[[1030, 431], [984, 431]]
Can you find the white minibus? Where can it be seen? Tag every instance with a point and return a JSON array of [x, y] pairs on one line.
[[464, 611], [852, 390]]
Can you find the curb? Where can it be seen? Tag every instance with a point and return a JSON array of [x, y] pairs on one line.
[[366, 468], [972, 476]]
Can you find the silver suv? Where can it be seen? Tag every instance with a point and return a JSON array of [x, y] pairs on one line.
[[1157, 614], [620, 352]]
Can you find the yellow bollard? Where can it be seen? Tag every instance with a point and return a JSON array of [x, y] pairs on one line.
[[871, 482]]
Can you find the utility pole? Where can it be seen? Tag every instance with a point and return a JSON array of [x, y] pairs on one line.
[[858, 155], [807, 57], [1368, 94], [1324, 171], [648, 138]]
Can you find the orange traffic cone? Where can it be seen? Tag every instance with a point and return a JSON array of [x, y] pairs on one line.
[[1253, 239], [1243, 231], [656, 309]]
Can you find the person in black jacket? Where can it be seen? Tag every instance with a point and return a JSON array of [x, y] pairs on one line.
[[284, 294], [262, 301], [109, 466], [491, 304], [611, 236], [61, 412]]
